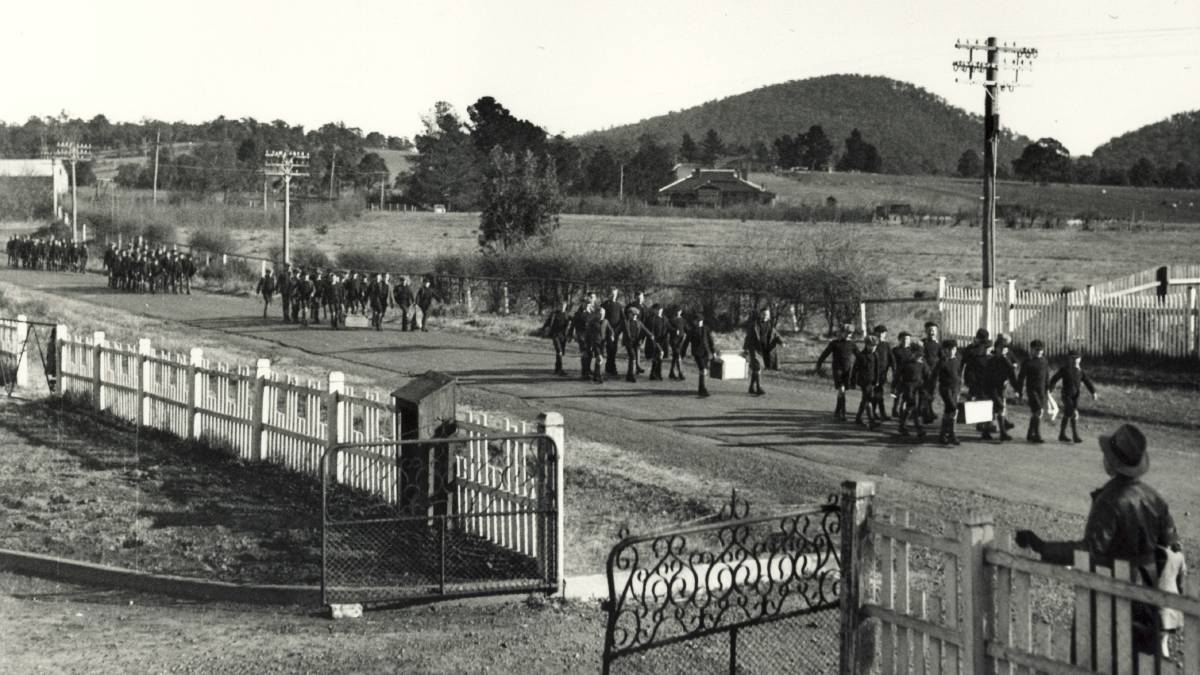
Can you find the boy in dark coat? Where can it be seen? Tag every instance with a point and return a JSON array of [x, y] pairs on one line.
[[949, 383], [901, 353], [867, 374], [843, 351], [615, 311], [266, 288], [700, 340], [678, 339], [888, 358], [425, 298], [579, 326], [1031, 382], [660, 331], [1072, 377], [633, 336], [761, 340], [999, 373], [914, 375], [600, 336], [558, 328]]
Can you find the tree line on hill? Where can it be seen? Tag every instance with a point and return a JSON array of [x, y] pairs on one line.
[[221, 155], [1048, 161]]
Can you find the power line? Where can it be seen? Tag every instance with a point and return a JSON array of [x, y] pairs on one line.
[[286, 164]]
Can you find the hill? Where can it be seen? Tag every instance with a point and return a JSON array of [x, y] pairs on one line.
[[1175, 139], [915, 131]]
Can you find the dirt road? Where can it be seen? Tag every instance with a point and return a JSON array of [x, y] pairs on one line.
[[784, 445]]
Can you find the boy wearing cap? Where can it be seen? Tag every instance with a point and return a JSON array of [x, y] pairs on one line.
[[599, 337], [997, 375], [949, 383], [579, 326], [558, 328], [1032, 381], [844, 351], [867, 374], [901, 353], [761, 340], [1072, 377], [678, 337], [660, 332], [1128, 520], [913, 377], [888, 359], [633, 335], [703, 348]]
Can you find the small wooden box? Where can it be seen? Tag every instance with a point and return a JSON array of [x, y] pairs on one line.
[[974, 412], [728, 367]]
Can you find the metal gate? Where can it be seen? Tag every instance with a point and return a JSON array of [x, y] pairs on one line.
[[471, 514], [740, 595]]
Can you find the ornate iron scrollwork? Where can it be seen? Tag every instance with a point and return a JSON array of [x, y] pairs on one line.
[[734, 572]]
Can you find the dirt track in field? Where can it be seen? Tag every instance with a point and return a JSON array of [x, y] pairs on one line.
[[784, 447]]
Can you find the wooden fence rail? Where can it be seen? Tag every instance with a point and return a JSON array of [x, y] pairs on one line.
[[260, 415]]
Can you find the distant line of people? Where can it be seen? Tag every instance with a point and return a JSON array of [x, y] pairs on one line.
[[46, 253], [925, 370], [311, 296], [143, 269]]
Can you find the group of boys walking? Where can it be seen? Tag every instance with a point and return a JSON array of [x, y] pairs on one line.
[[310, 296], [46, 253], [925, 370], [143, 269], [602, 328]]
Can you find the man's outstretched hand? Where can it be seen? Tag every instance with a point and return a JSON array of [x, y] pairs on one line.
[[1028, 539]]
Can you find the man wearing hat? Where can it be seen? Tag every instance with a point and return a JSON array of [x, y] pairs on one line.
[[1128, 520], [761, 340], [1031, 381], [932, 346], [660, 332], [844, 351], [1073, 379]]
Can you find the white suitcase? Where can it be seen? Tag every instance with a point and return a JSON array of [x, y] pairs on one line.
[[974, 412], [728, 367]]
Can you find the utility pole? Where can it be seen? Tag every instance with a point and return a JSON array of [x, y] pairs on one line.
[[1018, 59], [73, 152], [621, 185], [332, 171], [382, 187], [157, 140], [287, 164]]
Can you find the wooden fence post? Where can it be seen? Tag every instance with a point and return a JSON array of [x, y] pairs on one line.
[[974, 535], [504, 297], [941, 294], [195, 362], [551, 424], [334, 418], [144, 375], [467, 296], [1193, 341], [262, 371], [22, 375], [61, 335], [1010, 309], [858, 559], [97, 370]]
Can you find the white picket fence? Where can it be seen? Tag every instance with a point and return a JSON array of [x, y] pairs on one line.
[[1118, 317], [266, 416]]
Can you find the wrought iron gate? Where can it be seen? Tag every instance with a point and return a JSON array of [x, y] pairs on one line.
[[738, 595], [452, 517]]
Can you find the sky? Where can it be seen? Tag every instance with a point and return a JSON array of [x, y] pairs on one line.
[[1103, 67]]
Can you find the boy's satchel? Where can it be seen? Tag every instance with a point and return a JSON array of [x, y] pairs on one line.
[[974, 412]]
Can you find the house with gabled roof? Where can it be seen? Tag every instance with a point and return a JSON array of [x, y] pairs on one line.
[[713, 187]]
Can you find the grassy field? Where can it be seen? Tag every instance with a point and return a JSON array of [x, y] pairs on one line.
[[912, 257], [949, 195]]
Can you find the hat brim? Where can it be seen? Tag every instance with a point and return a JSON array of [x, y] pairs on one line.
[[1120, 467]]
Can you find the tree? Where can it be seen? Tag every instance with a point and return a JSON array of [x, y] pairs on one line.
[[1181, 177], [688, 152], [817, 149], [371, 168], [788, 152], [711, 147], [601, 172], [399, 143], [1086, 171], [1143, 173], [761, 153], [859, 155], [1045, 161], [521, 199], [127, 175], [493, 125], [649, 169], [568, 163], [447, 168], [375, 140], [970, 164]]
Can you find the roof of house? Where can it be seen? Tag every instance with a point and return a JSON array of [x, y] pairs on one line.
[[725, 180]]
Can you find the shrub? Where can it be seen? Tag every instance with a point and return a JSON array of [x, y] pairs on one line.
[[158, 234], [213, 241]]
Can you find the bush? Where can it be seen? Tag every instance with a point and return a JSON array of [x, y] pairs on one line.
[[213, 241], [158, 234], [373, 260]]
